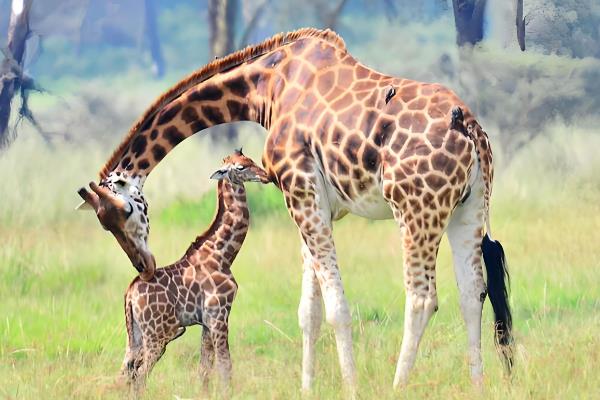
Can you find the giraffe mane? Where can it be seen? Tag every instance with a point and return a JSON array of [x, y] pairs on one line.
[[213, 68]]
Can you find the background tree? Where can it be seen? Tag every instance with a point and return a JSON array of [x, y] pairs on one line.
[[520, 22], [566, 27], [221, 22], [12, 78], [153, 37], [468, 19]]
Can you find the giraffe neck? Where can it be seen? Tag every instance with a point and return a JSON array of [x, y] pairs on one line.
[[218, 246], [245, 92], [256, 84]]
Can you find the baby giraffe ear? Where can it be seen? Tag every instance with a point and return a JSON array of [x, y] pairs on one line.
[[90, 200], [84, 206], [220, 174]]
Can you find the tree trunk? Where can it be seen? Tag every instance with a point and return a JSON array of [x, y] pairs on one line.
[[221, 20], [252, 23], [331, 19], [441, 6], [520, 25], [221, 16], [468, 18], [11, 72], [151, 29]]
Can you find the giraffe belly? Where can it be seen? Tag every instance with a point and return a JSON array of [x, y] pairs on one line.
[[372, 207], [370, 204]]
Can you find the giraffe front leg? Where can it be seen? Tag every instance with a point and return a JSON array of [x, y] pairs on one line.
[[310, 316], [207, 357], [337, 314], [313, 218], [219, 334]]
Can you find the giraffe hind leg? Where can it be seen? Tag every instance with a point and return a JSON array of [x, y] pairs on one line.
[[134, 354], [465, 232], [422, 227], [421, 298], [153, 349]]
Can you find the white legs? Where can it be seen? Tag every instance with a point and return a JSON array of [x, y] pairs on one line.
[[337, 314], [417, 312], [313, 218], [421, 298], [321, 279], [465, 233], [310, 316]]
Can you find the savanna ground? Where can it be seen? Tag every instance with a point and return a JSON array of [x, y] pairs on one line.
[[62, 280]]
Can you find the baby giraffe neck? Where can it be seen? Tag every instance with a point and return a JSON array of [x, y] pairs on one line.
[[218, 246]]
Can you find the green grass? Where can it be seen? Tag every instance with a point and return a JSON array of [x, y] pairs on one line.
[[62, 281]]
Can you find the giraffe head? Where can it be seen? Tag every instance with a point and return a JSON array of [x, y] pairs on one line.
[[121, 209], [237, 168]]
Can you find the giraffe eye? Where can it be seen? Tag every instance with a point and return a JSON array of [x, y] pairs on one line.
[[240, 167]]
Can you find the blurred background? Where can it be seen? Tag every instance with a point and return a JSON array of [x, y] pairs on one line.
[[76, 74], [80, 72]]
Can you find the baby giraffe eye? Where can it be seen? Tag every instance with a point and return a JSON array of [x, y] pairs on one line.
[[240, 167]]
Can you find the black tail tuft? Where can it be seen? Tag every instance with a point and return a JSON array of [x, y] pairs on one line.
[[498, 282]]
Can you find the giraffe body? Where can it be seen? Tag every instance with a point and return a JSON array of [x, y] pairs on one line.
[[199, 289], [343, 138]]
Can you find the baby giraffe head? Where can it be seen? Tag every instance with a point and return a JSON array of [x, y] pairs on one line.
[[121, 209], [237, 168]]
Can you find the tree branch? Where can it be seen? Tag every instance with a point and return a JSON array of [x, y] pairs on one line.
[[520, 22], [11, 72]]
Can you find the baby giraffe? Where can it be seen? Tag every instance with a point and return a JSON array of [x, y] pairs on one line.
[[196, 290]]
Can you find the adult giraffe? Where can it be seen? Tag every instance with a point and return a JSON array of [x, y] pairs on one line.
[[341, 138]]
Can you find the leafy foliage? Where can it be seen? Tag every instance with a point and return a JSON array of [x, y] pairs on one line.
[[566, 27]]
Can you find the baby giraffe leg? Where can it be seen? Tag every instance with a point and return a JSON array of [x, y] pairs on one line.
[[153, 350], [219, 332], [134, 354], [207, 357], [133, 359]]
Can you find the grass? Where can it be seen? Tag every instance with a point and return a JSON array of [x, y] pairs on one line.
[[62, 280]]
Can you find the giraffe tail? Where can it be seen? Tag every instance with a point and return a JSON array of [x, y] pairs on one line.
[[498, 282], [498, 278]]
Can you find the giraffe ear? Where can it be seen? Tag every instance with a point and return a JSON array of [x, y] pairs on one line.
[[220, 174], [90, 200], [84, 206]]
